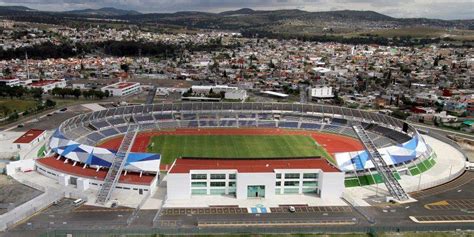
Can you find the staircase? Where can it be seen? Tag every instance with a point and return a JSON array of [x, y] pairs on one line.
[[117, 165], [151, 95], [382, 168]]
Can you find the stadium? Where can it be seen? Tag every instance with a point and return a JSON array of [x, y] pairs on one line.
[[328, 147]]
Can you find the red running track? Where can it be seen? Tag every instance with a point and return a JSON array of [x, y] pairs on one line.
[[333, 143]]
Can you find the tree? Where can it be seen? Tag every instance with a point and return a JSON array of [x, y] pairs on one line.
[[50, 103], [37, 93], [99, 94], [400, 114], [76, 93], [56, 91], [7, 71], [4, 110], [125, 67]]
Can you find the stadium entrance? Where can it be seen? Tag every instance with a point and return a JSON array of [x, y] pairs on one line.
[[256, 191]]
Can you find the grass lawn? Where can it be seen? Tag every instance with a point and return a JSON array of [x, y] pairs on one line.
[[18, 105], [234, 146]]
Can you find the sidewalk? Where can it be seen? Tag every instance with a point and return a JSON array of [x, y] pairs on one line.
[[449, 162]]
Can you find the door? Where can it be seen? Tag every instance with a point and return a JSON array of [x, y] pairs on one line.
[[256, 191]]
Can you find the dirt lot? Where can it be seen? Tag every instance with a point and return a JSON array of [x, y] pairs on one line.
[[14, 193]]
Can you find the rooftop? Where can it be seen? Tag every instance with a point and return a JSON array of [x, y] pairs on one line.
[[78, 170], [273, 93], [185, 165], [43, 83], [29, 136], [121, 85]]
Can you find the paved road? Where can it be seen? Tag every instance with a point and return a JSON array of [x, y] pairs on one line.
[[444, 131], [391, 216]]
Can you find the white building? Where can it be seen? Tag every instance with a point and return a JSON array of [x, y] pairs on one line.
[[47, 85], [323, 92], [215, 89], [321, 71], [236, 95], [122, 88], [254, 178], [30, 138], [10, 82]]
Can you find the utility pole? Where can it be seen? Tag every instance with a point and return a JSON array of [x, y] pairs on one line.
[[27, 66]]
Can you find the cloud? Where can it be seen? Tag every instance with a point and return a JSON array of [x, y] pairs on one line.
[[443, 9]]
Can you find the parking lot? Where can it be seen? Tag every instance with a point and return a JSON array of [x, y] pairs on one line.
[[445, 219], [50, 120], [204, 211], [319, 209], [454, 204]]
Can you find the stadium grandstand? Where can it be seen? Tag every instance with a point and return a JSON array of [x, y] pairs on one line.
[[76, 143]]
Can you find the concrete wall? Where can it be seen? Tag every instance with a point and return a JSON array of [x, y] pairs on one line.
[[246, 179], [331, 184], [85, 183], [21, 165], [178, 186]]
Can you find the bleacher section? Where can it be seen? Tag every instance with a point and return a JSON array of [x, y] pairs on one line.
[[112, 122], [247, 123], [310, 126], [144, 118], [390, 133], [286, 124], [266, 124], [228, 123], [116, 121], [95, 136], [163, 116], [331, 128], [109, 132]]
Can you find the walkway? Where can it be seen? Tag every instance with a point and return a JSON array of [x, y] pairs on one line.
[[449, 163]]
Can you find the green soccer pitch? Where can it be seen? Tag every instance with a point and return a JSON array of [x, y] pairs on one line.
[[172, 147]]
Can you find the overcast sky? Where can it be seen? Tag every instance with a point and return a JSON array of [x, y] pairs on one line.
[[443, 9]]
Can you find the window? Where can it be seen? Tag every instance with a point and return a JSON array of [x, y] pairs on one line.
[[278, 183], [309, 190], [198, 176], [310, 183], [277, 191], [199, 184], [231, 184], [292, 183], [291, 191], [310, 176], [219, 191], [217, 184], [232, 176], [292, 176], [217, 176], [199, 192], [278, 176]]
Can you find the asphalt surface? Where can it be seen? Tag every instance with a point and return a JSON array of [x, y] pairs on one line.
[[50, 121], [65, 216]]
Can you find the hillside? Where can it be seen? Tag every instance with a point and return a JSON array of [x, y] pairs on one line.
[[290, 22], [106, 11]]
